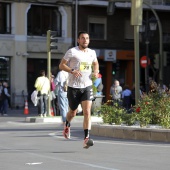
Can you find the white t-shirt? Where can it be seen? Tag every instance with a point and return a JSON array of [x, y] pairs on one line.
[[62, 76], [81, 61]]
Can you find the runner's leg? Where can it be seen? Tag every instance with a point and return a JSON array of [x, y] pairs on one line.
[[86, 106]]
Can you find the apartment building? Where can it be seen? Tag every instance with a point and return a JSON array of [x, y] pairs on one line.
[[113, 35], [23, 41], [23, 46]]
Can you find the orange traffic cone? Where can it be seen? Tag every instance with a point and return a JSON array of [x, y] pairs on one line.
[[52, 112], [26, 111]]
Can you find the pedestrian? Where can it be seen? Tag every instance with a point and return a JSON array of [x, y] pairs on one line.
[[42, 85], [61, 79], [52, 94], [1, 87], [115, 92], [4, 99], [1, 97], [56, 99], [99, 85], [81, 63], [126, 97]]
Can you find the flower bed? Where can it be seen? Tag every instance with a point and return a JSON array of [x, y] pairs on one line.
[[153, 109]]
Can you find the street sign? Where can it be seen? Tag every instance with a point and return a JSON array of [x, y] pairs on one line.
[[143, 61]]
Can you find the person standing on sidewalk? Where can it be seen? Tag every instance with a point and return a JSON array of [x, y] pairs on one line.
[[116, 92], [81, 63], [61, 79], [5, 97], [52, 94], [42, 85]]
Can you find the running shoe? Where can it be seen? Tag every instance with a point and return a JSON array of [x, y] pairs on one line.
[[66, 132], [87, 143]]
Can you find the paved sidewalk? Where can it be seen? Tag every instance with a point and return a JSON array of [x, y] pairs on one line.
[[147, 134], [17, 114], [33, 117]]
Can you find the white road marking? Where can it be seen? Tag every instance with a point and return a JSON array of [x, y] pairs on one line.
[[61, 160], [34, 163], [76, 162], [125, 143]]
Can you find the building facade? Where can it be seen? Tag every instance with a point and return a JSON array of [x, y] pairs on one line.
[[23, 41], [112, 36]]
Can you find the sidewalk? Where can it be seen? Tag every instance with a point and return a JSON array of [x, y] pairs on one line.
[[126, 132], [19, 112], [33, 117]]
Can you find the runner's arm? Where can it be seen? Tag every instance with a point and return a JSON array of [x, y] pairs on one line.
[[63, 66], [95, 68]]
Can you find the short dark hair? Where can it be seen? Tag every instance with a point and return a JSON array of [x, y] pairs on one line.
[[42, 72], [82, 32]]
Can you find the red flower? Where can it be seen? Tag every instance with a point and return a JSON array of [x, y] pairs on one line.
[[138, 110], [146, 102]]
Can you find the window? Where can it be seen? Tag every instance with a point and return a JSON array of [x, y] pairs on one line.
[[97, 28], [129, 30], [43, 18], [4, 71], [5, 18]]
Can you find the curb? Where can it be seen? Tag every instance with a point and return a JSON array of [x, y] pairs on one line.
[[58, 119], [134, 133]]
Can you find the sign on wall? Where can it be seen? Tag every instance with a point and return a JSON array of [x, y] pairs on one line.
[[110, 55]]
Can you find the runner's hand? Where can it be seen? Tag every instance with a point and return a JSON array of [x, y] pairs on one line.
[[95, 74], [77, 73]]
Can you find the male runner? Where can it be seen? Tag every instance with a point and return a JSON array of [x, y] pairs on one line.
[[81, 63]]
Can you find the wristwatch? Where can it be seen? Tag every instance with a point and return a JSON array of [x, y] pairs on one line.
[[72, 71]]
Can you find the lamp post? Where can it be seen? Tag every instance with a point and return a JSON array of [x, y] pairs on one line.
[[136, 21], [136, 6], [146, 30]]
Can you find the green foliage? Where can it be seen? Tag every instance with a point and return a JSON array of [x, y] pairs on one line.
[[154, 108], [112, 114], [94, 88]]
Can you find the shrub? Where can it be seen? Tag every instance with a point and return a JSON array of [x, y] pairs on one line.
[[112, 113], [154, 108]]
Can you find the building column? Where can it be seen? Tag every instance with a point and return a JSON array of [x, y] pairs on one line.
[[19, 58]]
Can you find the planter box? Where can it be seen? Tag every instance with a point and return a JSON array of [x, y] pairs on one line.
[[134, 133]]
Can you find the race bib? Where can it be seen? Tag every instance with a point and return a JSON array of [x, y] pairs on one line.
[[85, 67]]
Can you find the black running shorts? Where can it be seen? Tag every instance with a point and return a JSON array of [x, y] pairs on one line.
[[77, 95]]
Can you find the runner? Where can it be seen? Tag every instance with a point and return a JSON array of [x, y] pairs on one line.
[[81, 63]]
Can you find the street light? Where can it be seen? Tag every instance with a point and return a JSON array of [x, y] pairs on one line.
[[136, 20], [146, 30], [136, 7]]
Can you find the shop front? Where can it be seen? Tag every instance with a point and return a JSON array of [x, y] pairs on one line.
[[115, 64]]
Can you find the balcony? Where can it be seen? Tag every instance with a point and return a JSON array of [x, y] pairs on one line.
[[156, 4]]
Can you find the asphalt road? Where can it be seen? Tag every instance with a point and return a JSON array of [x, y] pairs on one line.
[[41, 146]]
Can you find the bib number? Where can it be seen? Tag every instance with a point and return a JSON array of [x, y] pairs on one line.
[[85, 67]]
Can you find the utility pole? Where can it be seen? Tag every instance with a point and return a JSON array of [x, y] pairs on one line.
[[51, 45], [136, 21]]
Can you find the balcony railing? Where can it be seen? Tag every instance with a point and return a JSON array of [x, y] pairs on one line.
[[158, 2]]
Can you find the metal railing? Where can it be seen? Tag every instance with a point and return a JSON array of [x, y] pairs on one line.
[[158, 2]]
